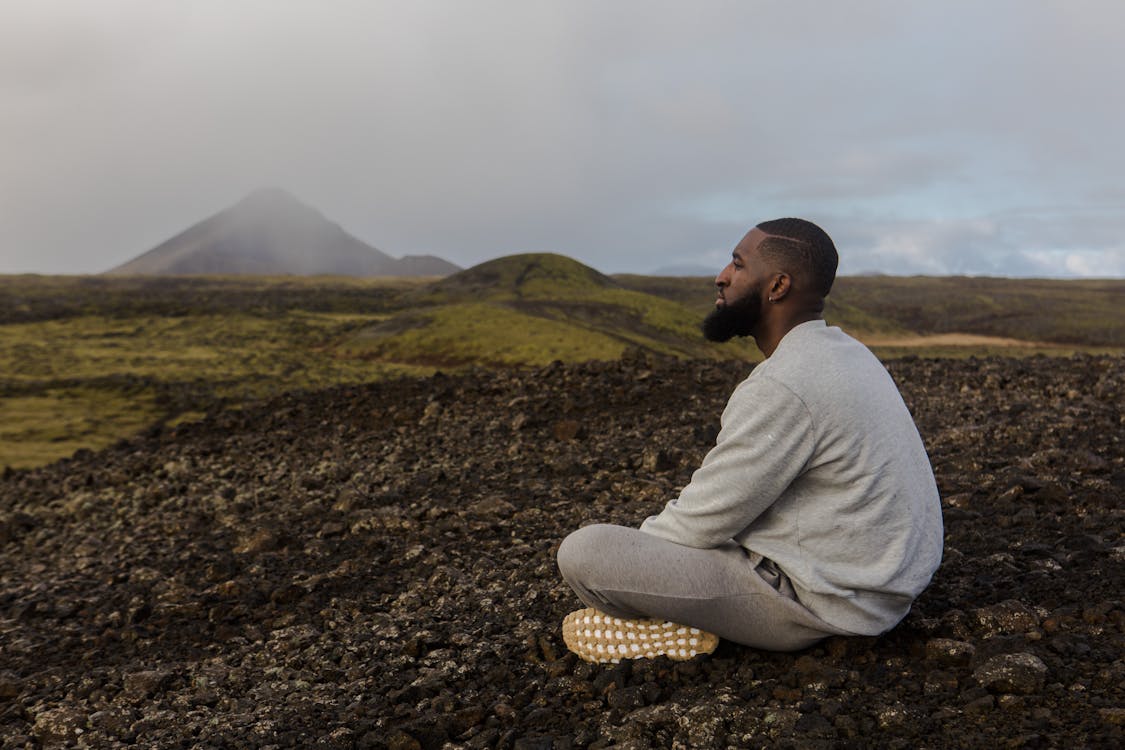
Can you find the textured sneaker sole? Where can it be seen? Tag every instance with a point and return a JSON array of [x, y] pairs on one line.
[[598, 637]]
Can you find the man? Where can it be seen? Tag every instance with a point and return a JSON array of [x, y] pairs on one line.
[[815, 514]]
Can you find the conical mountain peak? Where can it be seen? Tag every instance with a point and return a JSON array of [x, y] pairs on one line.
[[271, 232]]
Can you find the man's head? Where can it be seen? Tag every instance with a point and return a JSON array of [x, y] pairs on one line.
[[778, 276], [803, 250]]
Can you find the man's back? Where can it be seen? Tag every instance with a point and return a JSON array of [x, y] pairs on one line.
[[819, 467], [865, 513]]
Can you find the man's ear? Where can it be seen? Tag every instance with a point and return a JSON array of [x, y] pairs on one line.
[[780, 287]]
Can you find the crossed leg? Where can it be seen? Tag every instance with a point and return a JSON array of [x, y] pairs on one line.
[[628, 573]]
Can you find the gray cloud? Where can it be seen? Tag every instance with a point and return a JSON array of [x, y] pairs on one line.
[[630, 135]]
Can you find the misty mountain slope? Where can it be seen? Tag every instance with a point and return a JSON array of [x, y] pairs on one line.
[[272, 233]]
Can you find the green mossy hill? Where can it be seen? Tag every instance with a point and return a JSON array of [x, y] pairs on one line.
[[530, 310], [527, 276]]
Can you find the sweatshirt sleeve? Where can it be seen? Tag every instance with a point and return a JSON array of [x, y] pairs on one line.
[[764, 443]]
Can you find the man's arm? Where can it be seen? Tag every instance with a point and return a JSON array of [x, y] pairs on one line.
[[764, 444]]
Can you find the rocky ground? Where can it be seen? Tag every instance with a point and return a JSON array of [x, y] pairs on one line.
[[374, 567]]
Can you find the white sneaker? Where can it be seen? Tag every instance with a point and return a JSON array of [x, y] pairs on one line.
[[598, 637]]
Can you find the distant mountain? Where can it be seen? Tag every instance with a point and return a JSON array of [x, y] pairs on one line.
[[686, 270], [270, 232]]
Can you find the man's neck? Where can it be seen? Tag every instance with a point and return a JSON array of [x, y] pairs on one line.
[[774, 331]]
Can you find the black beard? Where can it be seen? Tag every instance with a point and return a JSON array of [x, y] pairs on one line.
[[736, 318]]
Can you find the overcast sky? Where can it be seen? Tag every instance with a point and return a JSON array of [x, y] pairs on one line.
[[975, 137]]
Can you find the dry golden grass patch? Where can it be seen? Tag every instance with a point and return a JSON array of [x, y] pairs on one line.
[[954, 339]]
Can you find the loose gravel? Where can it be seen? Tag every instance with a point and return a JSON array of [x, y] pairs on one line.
[[373, 567]]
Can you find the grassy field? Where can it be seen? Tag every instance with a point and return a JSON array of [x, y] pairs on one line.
[[1083, 313], [85, 361]]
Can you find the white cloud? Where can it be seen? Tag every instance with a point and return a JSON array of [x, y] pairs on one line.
[[629, 134], [1079, 263]]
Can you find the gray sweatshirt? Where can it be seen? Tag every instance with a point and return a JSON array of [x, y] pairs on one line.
[[820, 468]]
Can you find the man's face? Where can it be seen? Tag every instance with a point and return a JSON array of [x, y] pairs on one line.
[[738, 307]]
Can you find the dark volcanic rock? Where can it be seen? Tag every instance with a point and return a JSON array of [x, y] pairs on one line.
[[1013, 673], [1005, 618], [949, 651], [374, 567]]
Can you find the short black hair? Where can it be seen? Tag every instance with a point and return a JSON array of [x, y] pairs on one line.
[[802, 245]]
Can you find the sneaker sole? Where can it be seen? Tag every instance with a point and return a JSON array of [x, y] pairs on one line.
[[600, 638]]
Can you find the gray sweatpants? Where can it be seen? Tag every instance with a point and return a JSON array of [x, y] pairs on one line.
[[727, 591]]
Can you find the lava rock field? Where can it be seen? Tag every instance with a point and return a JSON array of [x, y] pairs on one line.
[[374, 567]]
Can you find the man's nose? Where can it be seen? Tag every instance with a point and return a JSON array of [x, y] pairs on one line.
[[721, 280]]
